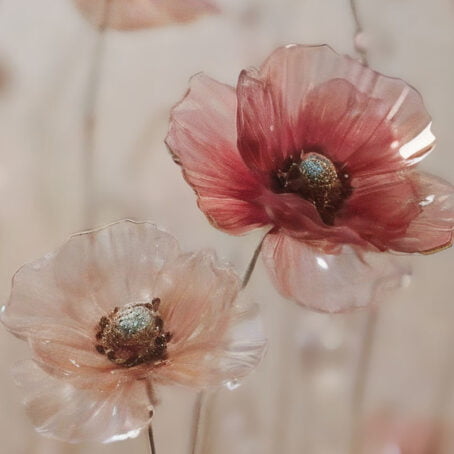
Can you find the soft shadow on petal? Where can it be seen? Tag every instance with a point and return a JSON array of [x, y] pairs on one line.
[[265, 138], [60, 411], [203, 140], [139, 14], [197, 294], [226, 357], [381, 207], [87, 277], [330, 282], [300, 219], [433, 228], [314, 85]]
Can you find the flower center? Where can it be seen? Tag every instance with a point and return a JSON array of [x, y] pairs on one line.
[[133, 335], [315, 178]]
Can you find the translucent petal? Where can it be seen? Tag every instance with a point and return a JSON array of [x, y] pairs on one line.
[[203, 139], [59, 410], [87, 277], [309, 96], [323, 282], [433, 228]]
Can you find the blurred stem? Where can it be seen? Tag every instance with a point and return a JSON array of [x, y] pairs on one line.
[[359, 31], [91, 98], [362, 375], [443, 397], [197, 429], [204, 404]]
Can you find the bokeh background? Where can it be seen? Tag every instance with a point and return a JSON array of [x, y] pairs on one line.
[[300, 399]]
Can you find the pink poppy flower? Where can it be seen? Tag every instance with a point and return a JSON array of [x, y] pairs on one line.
[[386, 434], [137, 14], [115, 312], [321, 150]]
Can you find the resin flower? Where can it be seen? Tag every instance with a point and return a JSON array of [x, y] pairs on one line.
[[387, 434], [322, 151], [137, 14], [115, 312]]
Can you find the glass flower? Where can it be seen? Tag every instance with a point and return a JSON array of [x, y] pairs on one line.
[[321, 150], [138, 14], [115, 312], [386, 433]]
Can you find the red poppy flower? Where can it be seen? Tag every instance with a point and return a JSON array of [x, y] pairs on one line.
[[323, 150]]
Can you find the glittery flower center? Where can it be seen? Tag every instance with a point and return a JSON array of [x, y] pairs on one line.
[[315, 178], [133, 335]]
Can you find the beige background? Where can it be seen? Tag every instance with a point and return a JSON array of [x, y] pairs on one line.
[[299, 399]]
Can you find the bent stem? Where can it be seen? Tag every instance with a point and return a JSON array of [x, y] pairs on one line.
[[204, 404], [91, 98], [362, 376], [251, 267]]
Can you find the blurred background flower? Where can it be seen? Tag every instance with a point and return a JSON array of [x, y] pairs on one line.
[[48, 46], [136, 14]]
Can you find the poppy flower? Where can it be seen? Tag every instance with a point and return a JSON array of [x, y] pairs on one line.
[[386, 433], [115, 312], [138, 14], [322, 151]]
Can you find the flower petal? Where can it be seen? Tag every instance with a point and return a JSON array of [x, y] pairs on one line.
[[197, 294], [203, 363], [87, 277], [202, 138], [299, 218], [433, 228], [309, 96], [381, 207], [61, 411], [265, 138], [137, 14], [329, 282]]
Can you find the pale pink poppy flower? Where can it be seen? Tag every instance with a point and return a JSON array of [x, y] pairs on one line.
[[387, 434], [321, 150], [113, 313], [138, 14]]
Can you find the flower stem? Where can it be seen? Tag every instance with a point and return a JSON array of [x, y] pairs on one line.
[[151, 438], [151, 399], [196, 430], [91, 98], [204, 404], [362, 376], [251, 267], [362, 373]]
